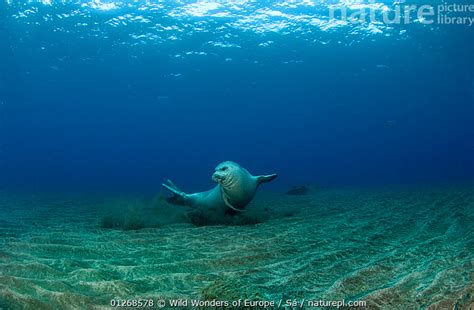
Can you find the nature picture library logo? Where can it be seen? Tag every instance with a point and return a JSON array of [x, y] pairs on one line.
[[403, 13]]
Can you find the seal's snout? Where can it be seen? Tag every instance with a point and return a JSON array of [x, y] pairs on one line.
[[217, 177]]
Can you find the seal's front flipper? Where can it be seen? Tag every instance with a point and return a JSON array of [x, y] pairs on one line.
[[266, 178], [179, 197], [228, 204]]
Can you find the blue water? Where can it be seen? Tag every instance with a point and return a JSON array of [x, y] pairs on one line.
[[122, 94], [103, 100]]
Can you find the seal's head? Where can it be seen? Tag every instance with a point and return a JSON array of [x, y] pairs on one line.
[[225, 173], [237, 185]]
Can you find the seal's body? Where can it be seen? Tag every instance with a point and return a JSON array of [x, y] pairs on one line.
[[235, 189]]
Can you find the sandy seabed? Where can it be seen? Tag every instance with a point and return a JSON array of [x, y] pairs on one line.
[[394, 249]]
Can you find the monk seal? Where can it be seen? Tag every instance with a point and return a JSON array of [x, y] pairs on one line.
[[235, 188]]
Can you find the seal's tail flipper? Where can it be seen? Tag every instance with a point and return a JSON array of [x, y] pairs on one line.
[[266, 178], [178, 197], [171, 186]]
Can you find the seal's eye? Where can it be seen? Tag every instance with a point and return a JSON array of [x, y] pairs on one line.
[[223, 168]]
